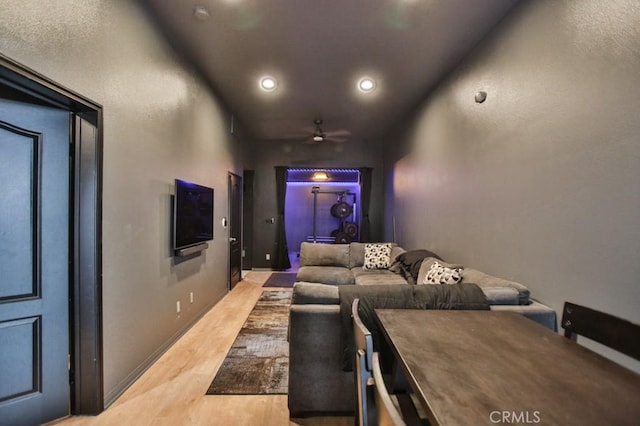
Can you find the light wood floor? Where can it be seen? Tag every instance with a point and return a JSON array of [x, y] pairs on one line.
[[172, 391]]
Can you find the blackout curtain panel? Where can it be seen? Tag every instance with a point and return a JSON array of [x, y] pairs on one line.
[[365, 202], [281, 256]]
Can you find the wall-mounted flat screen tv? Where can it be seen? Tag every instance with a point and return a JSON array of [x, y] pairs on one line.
[[192, 214]]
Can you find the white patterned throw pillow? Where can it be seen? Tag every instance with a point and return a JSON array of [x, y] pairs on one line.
[[440, 274], [377, 256]]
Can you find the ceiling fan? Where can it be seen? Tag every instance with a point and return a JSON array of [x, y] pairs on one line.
[[318, 135]]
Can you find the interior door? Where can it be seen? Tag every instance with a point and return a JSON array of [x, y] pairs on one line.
[[34, 263], [235, 229]]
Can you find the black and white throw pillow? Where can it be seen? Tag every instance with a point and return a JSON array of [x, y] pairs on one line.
[[377, 256], [440, 274]]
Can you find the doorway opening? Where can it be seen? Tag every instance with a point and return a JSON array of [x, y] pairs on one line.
[[322, 206]]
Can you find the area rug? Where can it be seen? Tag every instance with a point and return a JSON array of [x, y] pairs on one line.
[[281, 279], [258, 361]]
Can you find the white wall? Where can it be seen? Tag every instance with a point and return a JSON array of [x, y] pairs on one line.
[[160, 122], [540, 183]]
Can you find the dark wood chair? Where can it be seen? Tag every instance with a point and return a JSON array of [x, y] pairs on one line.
[[609, 330], [363, 368], [367, 400], [388, 413]]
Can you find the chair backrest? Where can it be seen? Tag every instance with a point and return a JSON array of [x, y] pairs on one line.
[[387, 413], [609, 330], [364, 352], [365, 411], [362, 335]]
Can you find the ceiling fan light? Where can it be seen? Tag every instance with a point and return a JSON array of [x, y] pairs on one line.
[[200, 13], [268, 83], [366, 84], [318, 134]]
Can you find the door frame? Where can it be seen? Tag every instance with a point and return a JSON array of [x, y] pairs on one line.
[[230, 224], [85, 283], [248, 177]]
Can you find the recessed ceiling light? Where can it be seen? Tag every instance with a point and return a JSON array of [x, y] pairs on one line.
[[200, 13], [268, 83], [366, 84]]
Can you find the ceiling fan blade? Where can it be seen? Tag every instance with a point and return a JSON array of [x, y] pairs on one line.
[[338, 132], [336, 139], [309, 132], [296, 137]]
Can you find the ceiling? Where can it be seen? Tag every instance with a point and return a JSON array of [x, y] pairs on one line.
[[318, 51]]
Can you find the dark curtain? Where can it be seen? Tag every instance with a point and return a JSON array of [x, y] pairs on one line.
[[365, 201], [280, 260]]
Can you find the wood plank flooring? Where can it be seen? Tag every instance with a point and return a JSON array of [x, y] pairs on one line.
[[172, 391]]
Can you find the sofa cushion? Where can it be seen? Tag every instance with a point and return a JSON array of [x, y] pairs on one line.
[[484, 280], [336, 275], [377, 256], [376, 277], [314, 293], [356, 255], [395, 265], [396, 251], [314, 254]]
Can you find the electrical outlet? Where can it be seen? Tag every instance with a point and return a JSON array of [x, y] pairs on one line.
[[191, 297], [267, 256], [178, 307]]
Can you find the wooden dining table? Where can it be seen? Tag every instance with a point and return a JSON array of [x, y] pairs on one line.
[[486, 367]]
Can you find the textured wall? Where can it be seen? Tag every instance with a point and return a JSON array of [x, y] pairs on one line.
[[160, 123], [540, 183]]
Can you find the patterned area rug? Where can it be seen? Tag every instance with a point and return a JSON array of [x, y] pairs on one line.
[[258, 361], [281, 279]]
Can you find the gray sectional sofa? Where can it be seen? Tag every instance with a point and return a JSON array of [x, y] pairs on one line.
[[318, 382], [341, 264]]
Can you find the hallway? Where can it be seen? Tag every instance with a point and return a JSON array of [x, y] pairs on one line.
[[172, 391]]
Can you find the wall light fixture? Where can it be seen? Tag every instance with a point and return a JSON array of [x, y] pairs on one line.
[[320, 176]]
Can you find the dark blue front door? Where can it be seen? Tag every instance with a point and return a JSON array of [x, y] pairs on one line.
[[34, 263]]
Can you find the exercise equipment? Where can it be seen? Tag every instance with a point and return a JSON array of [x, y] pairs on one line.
[[348, 230]]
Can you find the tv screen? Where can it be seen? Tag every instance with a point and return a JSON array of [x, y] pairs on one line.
[[192, 214]]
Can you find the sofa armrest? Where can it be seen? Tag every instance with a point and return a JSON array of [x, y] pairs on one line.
[[317, 383], [501, 295]]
